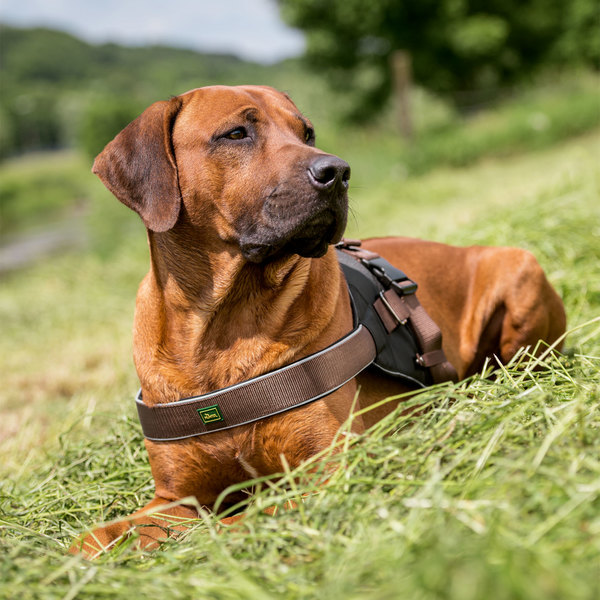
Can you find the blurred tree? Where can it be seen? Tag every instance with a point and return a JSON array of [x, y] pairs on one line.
[[30, 122], [580, 40], [102, 120], [462, 49], [7, 135]]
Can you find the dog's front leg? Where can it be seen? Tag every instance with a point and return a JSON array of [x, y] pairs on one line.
[[157, 521]]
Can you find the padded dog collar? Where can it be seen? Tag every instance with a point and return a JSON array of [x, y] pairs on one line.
[[294, 385]]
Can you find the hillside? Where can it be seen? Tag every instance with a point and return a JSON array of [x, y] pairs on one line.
[[57, 59], [50, 79]]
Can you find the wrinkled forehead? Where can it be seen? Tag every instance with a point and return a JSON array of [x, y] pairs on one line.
[[211, 105]]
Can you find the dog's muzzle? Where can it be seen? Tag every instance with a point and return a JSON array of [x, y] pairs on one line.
[[303, 215]]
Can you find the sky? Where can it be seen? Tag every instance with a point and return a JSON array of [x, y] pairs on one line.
[[251, 29]]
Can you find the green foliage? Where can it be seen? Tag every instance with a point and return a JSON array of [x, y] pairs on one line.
[[103, 119], [533, 120], [580, 40], [43, 55], [61, 92], [32, 123], [41, 189], [478, 35], [463, 49], [537, 117]]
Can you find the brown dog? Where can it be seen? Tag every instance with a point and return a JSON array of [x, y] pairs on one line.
[[241, 211]]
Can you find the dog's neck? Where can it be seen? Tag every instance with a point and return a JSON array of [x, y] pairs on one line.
[[220, 319], [197, 273]]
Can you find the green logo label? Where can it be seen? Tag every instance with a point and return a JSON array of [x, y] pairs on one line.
[[210, 414]]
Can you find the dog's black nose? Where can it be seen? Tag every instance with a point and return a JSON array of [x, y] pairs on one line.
[[327, 171]]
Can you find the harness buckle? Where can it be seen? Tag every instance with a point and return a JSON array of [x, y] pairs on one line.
[[348, 244], [390, 308], [404, 288], [381, 275]]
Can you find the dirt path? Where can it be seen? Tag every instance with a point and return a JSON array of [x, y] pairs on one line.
[[19, 251]]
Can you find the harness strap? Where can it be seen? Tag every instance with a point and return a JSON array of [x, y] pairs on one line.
[[397, 310], [314, 376], [297, 384], [398, 305]]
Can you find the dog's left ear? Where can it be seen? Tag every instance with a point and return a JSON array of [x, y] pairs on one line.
[[139, 166]]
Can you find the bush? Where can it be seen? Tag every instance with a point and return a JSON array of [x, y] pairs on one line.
[[102, 120], [32, 122]]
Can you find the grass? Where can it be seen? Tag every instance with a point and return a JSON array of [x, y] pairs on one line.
[[41, 188], [494, 492]]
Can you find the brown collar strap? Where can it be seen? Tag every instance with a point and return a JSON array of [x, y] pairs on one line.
[[294, 385]]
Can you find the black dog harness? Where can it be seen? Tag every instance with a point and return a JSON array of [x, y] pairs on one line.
[[392, 333]]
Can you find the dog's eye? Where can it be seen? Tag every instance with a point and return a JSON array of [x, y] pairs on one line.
[[309, 135], [239, 133]]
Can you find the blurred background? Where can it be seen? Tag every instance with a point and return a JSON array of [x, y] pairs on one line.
[[407, 85], [447, 110], [464, 121]]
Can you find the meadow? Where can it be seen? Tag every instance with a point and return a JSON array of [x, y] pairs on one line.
[[493, 492]]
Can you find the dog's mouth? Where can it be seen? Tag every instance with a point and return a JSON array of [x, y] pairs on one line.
[[315, 237], [310, 237]]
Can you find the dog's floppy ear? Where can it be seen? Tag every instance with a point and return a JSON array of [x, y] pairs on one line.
[[139, 167]]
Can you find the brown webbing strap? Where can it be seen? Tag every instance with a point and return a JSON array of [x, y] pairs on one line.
[[297, 384], [397, 306], [429, 337]]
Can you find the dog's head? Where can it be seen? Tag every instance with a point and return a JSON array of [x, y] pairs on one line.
[[241, 160]]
